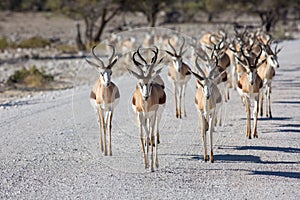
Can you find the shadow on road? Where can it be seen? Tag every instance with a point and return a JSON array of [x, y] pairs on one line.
[[277, 173], [266, 148]]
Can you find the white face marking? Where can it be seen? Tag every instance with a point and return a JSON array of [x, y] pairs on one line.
[[145, 89], [105, 77], [272, 60], [177, 63], [251, 76], [206, 88]]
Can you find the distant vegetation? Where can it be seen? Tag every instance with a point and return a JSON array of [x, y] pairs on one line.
[[33, 42], [98, 13], [31, 78]]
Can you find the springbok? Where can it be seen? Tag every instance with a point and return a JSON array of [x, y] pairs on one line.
[[179, 73], [104, 97], [267, 73], [249, 86], [208, 98], [148, 102]]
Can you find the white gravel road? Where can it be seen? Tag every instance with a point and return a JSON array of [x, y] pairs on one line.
[[49, 147]]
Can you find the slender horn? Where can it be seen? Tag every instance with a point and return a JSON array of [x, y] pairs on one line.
[[203, 55], [113, 53], [246, 57], [172, 46], [154, 58], [97, 58], [137, 64], [199, 68], [277, 50], [134, 60], [257, 57], [213, 68], [181, 48], [140, 56]]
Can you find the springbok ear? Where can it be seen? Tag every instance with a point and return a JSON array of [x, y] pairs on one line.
[[134, 74], [183, 52], [168, 52], [240, 61], [262, 62], [113, 63], [160, 60], [92, 64], [199, 82], [200, 78]]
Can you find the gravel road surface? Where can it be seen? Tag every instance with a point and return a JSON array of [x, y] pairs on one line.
[[49, 147]]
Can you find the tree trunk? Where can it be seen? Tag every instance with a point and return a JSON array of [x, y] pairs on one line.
[[104, 21]]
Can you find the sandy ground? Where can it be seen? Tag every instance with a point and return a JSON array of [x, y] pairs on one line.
[[49, 147]]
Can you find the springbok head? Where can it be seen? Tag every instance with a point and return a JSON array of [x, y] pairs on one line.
[[177, 57], [219, 44], [271, 56], [105, 71], [146, 72], [250, 63], [206, 81]]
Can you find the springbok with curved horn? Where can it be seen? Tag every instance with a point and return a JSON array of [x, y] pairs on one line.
[[267, 73], [208, 98], [179, 73], [104, 97], [148, 102], [250, 85]]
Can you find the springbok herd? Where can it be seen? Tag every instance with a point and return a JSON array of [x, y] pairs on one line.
[[244, 61]]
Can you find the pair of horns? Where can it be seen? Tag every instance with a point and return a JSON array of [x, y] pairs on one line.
[[100, 63], [150, 70], [181, 47]]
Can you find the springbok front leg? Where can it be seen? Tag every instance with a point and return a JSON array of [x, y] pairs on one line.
[[255, 113], [180, 99], [261, 102], [268, 106], [247, 105], [147, 142], [100, 127], [104, 131], [178, 114], [156, 141], [152, 129], [110, 115], [183, 100], [211, 128], [141, 124], [203, 124]]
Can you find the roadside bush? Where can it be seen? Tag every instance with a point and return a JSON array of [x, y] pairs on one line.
[[31, 78], [65, 48], [3, 43], [34, 42]]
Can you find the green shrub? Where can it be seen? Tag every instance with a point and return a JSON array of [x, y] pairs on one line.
[[65, 48], [30, 78], [3, 43], [34, 42]]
